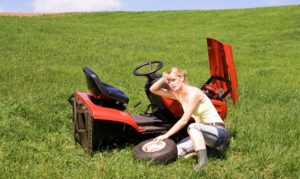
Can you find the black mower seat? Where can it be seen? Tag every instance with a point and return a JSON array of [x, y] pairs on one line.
[[98, 88]]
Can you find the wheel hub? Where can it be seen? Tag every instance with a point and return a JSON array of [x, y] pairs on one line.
[[153, 146]]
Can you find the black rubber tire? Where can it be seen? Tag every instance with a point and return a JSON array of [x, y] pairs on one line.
[[83, 128], [163, 156]]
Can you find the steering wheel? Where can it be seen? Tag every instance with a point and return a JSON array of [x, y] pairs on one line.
[[153, 66]]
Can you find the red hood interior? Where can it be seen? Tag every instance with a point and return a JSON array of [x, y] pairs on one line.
[[222, 68]]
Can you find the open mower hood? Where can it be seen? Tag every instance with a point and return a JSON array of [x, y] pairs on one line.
[[222, 68]]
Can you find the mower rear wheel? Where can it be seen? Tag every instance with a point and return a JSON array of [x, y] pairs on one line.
[[87, 142], [162, 152], [83, 127]]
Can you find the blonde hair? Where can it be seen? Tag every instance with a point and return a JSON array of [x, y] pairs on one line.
[[178, 72]]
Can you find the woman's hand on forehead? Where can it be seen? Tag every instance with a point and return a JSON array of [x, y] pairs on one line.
[[166, 77]]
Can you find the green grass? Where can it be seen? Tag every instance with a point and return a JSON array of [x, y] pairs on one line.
[[41, 62]]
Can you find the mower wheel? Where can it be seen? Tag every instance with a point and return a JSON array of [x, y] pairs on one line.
[[162, 152], [82, 126]]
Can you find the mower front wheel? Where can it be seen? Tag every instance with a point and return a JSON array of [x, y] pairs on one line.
[[162, 152]]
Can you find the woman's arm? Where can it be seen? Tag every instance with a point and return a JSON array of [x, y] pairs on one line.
[[157, 89], [192, 102]]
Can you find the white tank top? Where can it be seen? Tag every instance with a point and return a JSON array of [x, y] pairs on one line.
[[205, 112]]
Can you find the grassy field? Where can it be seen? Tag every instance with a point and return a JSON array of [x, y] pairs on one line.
[[41, 61]]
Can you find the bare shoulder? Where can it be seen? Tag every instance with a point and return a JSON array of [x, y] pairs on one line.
[[196, 93]]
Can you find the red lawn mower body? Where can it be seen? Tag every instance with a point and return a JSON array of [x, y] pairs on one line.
[[100, 117]]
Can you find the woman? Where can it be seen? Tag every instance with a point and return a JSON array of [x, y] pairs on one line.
[[208, 128]]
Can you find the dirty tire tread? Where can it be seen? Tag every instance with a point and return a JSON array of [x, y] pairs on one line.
[[90, 135]]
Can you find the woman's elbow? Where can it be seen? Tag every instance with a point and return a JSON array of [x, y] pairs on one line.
[[151, 89]]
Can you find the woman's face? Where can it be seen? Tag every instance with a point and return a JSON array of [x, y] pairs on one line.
[[175, 82]]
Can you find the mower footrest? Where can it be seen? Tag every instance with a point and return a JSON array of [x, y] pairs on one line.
[[148, 121], [156, 129]]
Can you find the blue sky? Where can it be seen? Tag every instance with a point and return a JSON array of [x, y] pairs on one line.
[[133, 5]]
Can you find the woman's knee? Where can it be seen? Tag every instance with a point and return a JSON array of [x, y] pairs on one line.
[[193, 126]]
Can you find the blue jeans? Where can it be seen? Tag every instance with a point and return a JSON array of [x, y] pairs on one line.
[[214, 137]]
